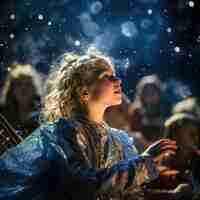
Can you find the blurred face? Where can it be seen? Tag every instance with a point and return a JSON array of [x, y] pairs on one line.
[[23, 90], [151, 95], [188, 136], [107, 89]]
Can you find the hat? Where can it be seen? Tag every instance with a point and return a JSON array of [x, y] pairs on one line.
[[178, 120]]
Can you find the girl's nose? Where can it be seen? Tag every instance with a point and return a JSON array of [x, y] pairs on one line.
[[115, 79], [118, 80]]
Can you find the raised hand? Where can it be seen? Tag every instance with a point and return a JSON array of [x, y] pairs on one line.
[[159, 147]]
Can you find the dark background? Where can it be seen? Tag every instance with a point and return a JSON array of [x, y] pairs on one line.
[[142, 36]]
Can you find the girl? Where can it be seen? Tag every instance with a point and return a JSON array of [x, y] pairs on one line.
[[74, 154]]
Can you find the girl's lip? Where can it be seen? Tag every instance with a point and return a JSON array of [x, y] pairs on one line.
[[118, 91]]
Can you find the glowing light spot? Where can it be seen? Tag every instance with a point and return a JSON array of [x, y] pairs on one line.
[[198, 39], [169, 30], [96, 7], [77, 43], [40, 17], [129, 29], [191, 4], [149, 11], [177, 49], [12, 16], [165, 11], [12, 36], [49, 23], [126, 64]]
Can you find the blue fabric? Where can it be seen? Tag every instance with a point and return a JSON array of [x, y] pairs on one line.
[[49, 165], [126, 141]]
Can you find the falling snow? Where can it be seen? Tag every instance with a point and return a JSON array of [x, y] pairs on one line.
[[77, 43], [12, 35], [129, 29], [146, 33], [191, 4], [12, 16], [169, 30], [96, 7], [49, 23], [150, 11], [198, 39], [177, 49], [40, 17]]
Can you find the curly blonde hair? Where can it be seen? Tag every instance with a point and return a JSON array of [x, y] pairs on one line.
[[64, 86]]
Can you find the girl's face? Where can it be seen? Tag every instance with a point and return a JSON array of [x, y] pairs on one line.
[[107, 90]]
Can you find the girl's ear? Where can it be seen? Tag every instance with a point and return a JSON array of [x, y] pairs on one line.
[[84, 95]]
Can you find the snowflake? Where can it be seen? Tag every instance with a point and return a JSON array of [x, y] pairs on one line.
[[191, 4], [169, 30], [177, 49], [77, 43], [129, 29], [12, 36], [40, 17], [96, 7], [189, 55], [165, 11], [149, 11], [12, 16], [198, 39]]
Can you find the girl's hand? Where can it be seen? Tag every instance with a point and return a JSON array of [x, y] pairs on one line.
[[159, 147]]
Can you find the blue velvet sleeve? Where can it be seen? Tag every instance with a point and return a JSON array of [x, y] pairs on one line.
[[49, 164], [21, 168], [90, 181]]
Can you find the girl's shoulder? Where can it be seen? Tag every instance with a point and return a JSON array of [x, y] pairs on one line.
[[127, 142], [61, 129], [121, 135]]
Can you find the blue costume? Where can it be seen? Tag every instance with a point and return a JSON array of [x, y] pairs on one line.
[[72, 160]]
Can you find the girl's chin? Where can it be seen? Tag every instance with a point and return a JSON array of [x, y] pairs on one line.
[[117, 102]]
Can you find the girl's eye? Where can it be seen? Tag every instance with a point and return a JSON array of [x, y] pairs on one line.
[[110, 77]]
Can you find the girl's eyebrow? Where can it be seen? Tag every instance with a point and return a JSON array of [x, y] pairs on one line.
[[106, 73]]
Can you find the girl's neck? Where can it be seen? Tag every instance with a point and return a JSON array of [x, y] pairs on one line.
[[96, 114], [95, 117]]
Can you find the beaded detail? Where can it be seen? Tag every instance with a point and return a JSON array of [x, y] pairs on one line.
[[97, 137]]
